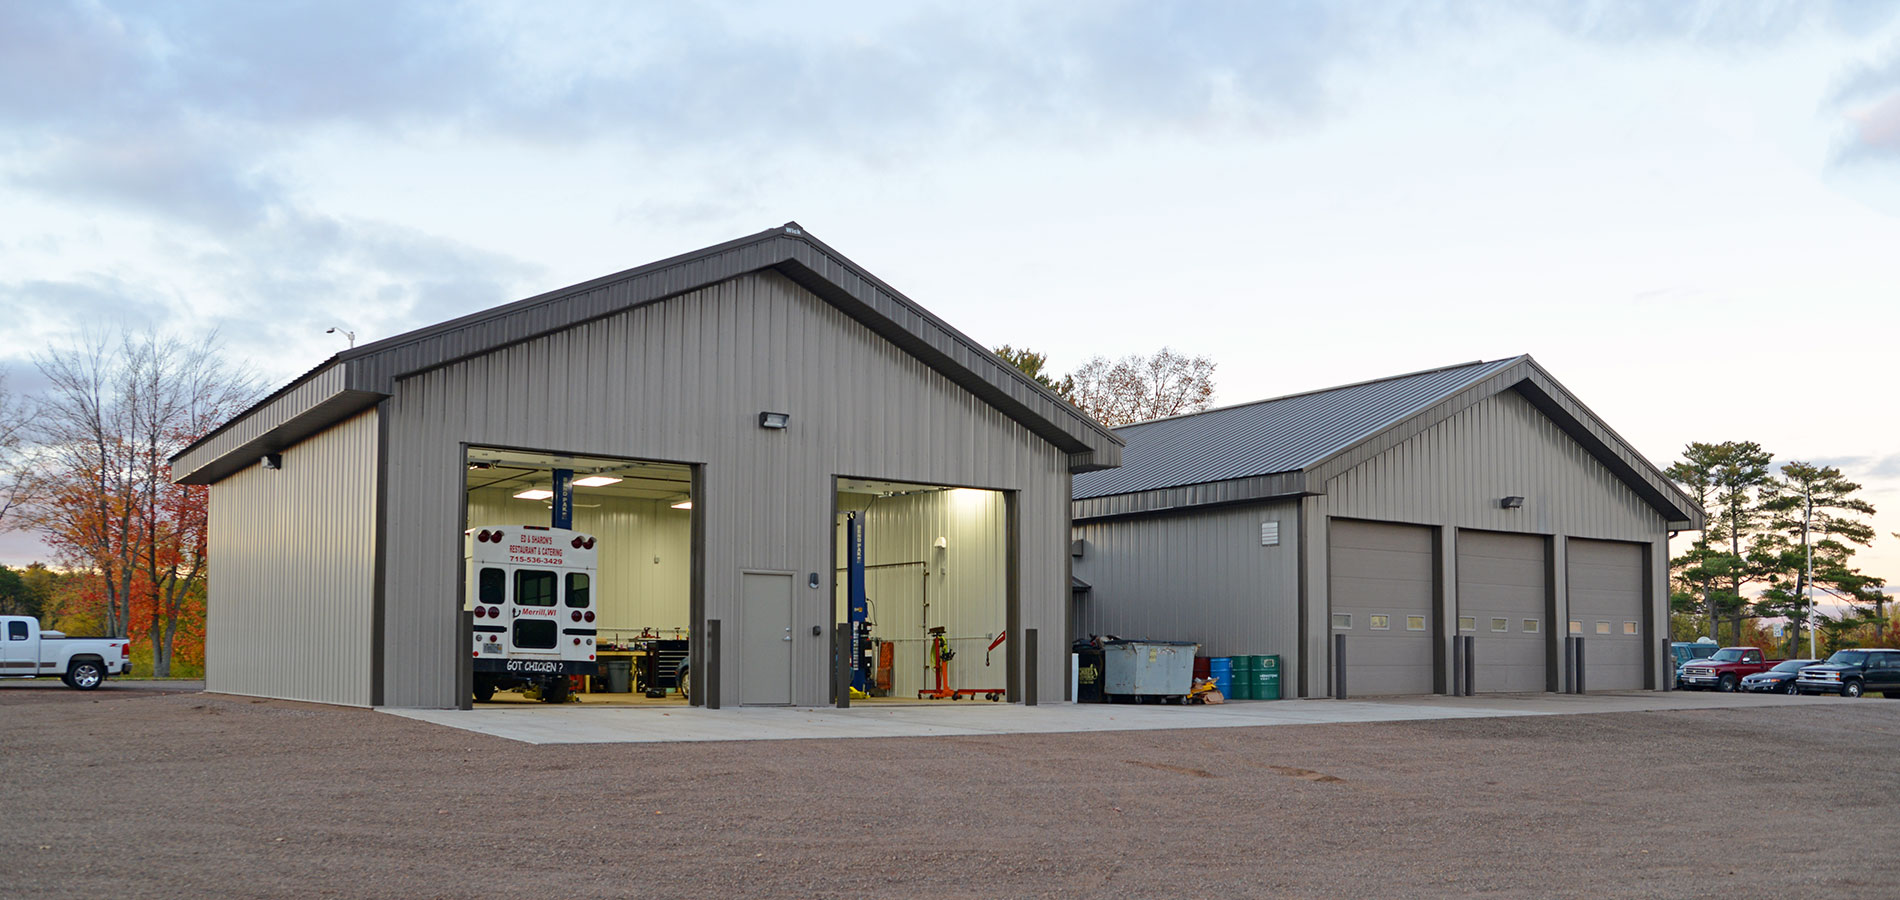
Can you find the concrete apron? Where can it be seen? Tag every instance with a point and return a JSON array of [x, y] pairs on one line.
[[578, 724]]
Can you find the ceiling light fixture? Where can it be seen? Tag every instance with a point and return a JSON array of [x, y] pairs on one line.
[[534, 494], [596, 481], [683, 504]]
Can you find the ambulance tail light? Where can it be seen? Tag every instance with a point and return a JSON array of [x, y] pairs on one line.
[[589, 615], [575, 615]]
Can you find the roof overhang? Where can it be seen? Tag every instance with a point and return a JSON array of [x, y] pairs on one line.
[[360, 378]]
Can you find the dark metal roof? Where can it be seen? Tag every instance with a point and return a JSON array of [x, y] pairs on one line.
[[1284, 434], [364, 375]]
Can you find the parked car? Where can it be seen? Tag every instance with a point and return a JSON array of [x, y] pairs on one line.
[[1851, 673], [1724, 669], [82, 663], [1685, 652], [1778, 680]]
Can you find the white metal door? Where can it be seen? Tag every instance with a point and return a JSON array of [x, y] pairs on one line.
[[765, 628]]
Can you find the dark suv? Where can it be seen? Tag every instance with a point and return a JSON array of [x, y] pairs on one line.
[[1851, 673]]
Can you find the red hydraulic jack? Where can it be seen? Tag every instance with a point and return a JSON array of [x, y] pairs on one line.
[[940, 657]]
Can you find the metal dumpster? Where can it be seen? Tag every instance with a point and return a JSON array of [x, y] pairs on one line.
[[1140, 669]]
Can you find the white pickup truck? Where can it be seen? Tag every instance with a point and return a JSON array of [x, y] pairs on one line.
[[83, 663]]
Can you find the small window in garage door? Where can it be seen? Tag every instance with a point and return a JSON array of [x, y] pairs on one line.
[[1414, 623], [1342, 620], [1531, 626], [1629, 627], [1603, 628], [1467, 623], [1378, 623], [1576, 626], [1500, 624]]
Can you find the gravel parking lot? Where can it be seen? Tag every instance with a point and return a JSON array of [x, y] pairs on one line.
[[129, 793]]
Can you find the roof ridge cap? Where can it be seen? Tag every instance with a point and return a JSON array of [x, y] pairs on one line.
[[1324, 390]]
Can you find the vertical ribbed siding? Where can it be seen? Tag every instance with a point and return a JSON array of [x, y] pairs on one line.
[[1454, 474], [1199, 576], [684, 381], [291, 576]]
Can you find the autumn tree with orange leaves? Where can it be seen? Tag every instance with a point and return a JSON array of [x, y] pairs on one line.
[[101, 493]]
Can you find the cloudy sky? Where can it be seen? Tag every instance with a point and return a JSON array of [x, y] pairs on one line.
[[1688, 212]]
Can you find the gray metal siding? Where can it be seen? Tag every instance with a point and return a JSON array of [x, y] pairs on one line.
[[290, 605], [684, 381], [1453, 475], [1377, 570], [1501, 576], [1201, 576]]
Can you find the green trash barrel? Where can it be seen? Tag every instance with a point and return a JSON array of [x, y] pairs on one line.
[[1265, 678], [1243, 678]]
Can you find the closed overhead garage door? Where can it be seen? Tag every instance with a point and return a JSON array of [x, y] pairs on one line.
[[1606, 610], [1501, 593], [1380, 585]]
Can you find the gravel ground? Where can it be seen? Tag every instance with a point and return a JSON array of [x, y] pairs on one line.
[[152, 793]]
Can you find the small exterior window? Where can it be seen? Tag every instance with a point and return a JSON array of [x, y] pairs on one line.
[[1467, 623], [1629, 627], [1531, 626], [534, 587], [1414, 623], [577, 590], [491, 586], [1378, 623], [1500, 624], [1603, 628], [1576, 626], [1342, 620]]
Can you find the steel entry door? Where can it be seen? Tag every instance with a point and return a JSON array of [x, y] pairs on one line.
[[1501, 594], [765, 627], [1380, 575], [1605, 581]]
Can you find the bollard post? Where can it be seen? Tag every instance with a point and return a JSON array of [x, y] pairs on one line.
[[1339, 667], [1457, 666], [708, 692], [1471, 664], [465, 670], [1668, 666], [1581, 667], [841, 665], [1029, 667]]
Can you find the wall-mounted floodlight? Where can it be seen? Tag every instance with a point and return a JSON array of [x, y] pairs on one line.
[[1512, 503], [272, 461], [774, 420], [596, 481], [534, 494]]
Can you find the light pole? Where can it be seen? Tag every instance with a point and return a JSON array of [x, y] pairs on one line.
[[348, 334]]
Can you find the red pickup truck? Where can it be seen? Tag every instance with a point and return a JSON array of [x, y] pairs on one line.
[[1724, 670]]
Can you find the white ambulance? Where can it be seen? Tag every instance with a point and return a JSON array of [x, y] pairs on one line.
[[531, 588]]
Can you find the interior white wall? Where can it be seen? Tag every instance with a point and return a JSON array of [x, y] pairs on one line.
[[645, 555], [967, 581]]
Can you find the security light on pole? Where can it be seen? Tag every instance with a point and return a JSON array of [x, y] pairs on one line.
[[348, 334]]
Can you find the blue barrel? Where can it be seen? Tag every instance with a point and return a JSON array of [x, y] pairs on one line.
[[1221, 669]]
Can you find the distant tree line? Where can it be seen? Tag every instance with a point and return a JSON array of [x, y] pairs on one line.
[[1134, 388], [85, 467], [1753, 559]]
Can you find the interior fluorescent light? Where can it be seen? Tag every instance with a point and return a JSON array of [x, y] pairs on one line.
[[595, 481], [534, 494], [683, 504]]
